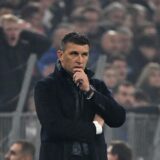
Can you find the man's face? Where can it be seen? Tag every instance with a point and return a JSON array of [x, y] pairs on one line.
[[111, 42], [110, 155], [154, 79], [92, 18], [121, 68], [12, 32], [110, 78], [14, 153], [74, 56], [117, 17], [148, 52], [125, 96]]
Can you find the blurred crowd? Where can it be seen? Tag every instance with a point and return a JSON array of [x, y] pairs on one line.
[[123, 33]]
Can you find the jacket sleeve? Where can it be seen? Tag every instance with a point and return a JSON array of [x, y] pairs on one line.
[[106, 106], [39, 43], [53, 121]]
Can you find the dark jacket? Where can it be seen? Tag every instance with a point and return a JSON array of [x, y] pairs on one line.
[[56, 101], [13, 61]]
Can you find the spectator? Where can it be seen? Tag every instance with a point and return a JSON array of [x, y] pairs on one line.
[[33, 13], [126, 40], [46, 64], [20, 150], [6, 8], [16, 45], [114, 14], [124, 94], [136, 17], [120, 64], [80, 24], [59, 33], [147, 51], [148, 29], [119, 150], [149, 82], [93, 17], [110, 77], [142, 98], [111, 44]]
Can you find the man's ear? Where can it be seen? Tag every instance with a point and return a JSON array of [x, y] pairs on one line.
[[60, 54]]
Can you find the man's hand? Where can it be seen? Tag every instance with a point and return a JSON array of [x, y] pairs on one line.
[[81, 79], [23, 25], [99, 119]]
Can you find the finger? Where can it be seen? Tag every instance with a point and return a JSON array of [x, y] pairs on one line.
[[77, 70]]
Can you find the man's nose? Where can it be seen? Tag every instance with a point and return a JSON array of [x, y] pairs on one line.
[[79, 59]]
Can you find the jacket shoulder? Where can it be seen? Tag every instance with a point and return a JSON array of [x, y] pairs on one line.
[[47, 81]]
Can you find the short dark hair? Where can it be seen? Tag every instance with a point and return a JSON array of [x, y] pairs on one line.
[[76, 38], [29, 10], [118, 58], [123, 83], [27, 147], [121, 149], [141, 95]]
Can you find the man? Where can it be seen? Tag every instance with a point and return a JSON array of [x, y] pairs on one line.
[[72, 106], [119, 150], [120, 64], [20, 150], [124, 94], [16, 45]]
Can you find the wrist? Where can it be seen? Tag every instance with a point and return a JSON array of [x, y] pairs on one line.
[[89, 94]]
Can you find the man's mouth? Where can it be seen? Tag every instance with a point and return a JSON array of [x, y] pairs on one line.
[[78, 66]]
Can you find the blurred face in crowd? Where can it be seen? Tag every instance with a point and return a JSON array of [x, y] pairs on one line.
[[58, 35], [156, 15], [126, 43], [12, 32], [92, 18], [155, 2], [80, 27], [47, 3], [150, 30], [110, 78], [111, 42], [125, 95], [14, 153], [4, 11], [110, 155], [154, 79], [36, 19], [121, 68], [117, 17], [149, 52], [74, 56]]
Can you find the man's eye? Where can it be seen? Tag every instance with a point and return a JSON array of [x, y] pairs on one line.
[[74, 53], [85, 54]]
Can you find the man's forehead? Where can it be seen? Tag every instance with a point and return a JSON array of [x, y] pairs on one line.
[[15, 147], [75, 44], [72, 47]]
